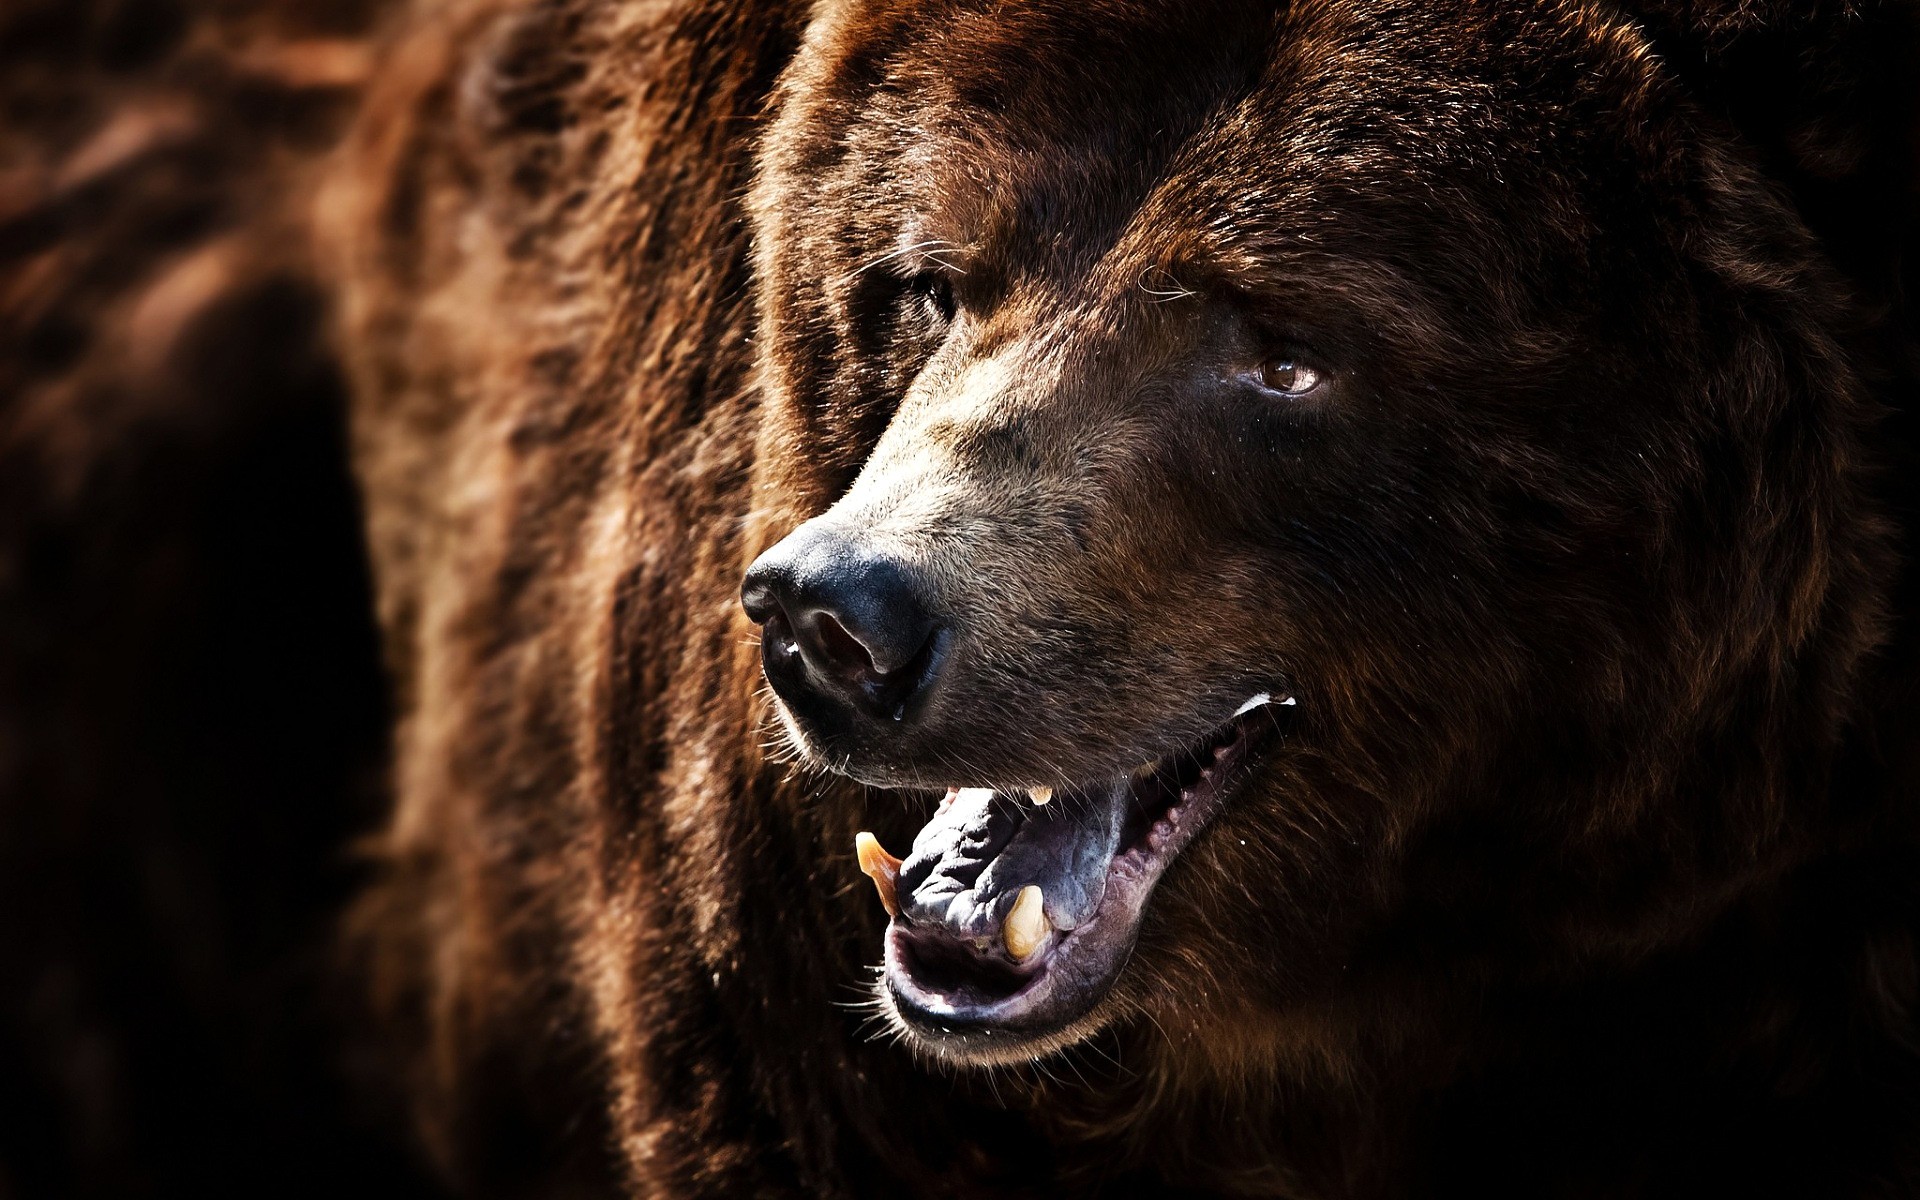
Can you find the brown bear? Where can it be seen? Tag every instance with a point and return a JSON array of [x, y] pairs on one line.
[[1357, 550], [1355, 547]]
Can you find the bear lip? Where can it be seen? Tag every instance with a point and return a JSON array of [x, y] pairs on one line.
[[1097, 851]]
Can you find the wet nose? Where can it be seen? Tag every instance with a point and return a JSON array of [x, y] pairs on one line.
[[843, 624]]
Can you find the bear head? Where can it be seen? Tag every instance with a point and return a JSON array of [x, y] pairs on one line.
[[1297, 492]]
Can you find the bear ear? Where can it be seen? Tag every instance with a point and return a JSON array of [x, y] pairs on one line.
[[1824, 92]]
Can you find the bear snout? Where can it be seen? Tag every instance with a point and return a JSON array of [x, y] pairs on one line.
[[847, 638]]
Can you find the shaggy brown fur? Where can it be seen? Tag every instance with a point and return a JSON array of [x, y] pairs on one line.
[[1587, 868], [1586, 871]]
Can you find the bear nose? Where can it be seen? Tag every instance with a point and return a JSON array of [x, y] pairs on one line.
[[843, 623]]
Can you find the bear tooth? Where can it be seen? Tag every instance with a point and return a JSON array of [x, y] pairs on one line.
[[1253, 702], [1040, 795], [1026, 925], [879, 866]]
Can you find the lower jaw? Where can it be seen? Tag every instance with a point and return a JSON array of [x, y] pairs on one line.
[[961, 1001]]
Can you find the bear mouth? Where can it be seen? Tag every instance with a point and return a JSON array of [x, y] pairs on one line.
[[1015, 912]]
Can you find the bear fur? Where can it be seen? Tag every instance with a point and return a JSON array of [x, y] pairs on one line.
[[1587, 865], [1588, 870]]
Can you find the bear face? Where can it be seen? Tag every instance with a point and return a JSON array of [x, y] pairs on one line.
[[1214, 461]]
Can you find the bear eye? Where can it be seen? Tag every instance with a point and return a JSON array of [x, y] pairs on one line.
[[1288, 376], [935, 292]]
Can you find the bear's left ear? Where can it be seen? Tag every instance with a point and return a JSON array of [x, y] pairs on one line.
[[1827, 93]]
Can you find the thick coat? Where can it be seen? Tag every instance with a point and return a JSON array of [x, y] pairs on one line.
[[1585, 866], [1583, 863]]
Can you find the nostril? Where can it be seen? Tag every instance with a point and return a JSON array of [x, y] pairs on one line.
[[844, 651], [779, 636]]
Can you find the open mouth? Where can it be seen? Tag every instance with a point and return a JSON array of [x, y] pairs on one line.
[[1014, 912]]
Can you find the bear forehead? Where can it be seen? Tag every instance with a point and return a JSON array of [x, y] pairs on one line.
[[1329, 76], [1043, 129]]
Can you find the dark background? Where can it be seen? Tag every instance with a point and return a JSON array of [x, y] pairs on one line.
[[192, 714]]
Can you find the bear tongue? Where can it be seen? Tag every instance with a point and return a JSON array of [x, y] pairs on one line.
[[971, 860]]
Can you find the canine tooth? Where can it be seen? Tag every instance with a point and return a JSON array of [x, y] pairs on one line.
[[1254, 702], [1289, 700], [1040, 795], [879, 866], [947, 800], [1026, 925]]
